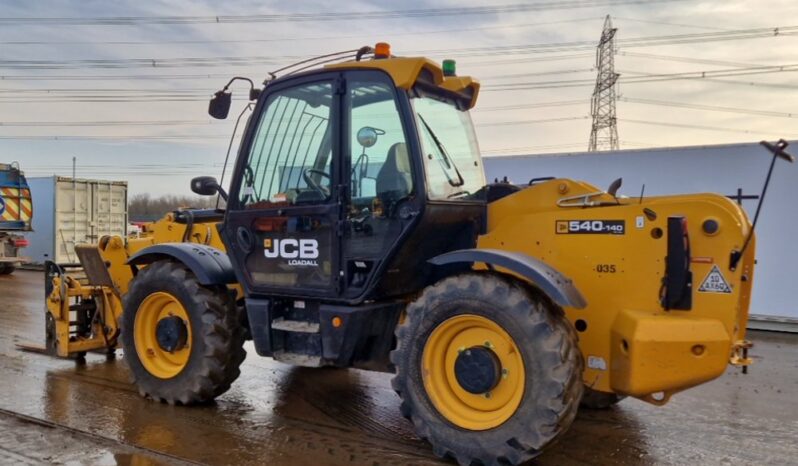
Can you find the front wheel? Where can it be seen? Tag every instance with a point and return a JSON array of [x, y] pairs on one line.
[[7, 269], [488, 371], [183, 341]]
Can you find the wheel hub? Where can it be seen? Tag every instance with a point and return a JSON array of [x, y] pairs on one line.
[[171, 334], [477, 370], [473, 372]]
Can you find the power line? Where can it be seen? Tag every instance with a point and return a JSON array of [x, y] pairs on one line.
[[134, 94], [687, 59], [744, 111], [110, 77], [650, 77], [707, 76], [179, 62], [186, 123], [116, 173], [764, 69], [321, 16], [154, 99], [229, 61], [292, 39], [98, 96], [191, 76], [666, 23], [540, 73], [131, 138], [532, 105], [532, 122], [531, 148], [644, 41], [132, 91], [147, 166], [35, 124], [517, 60], [702, 127], [193, 95]]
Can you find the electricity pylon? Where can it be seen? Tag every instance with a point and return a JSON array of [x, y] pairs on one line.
[[604, 132]]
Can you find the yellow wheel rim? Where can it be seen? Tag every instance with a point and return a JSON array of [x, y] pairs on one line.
[[159, 362], [460, 407]]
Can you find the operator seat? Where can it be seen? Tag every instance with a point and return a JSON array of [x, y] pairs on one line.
[[394, 180]]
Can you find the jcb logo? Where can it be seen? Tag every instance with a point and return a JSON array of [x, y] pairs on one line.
[[305, 250]]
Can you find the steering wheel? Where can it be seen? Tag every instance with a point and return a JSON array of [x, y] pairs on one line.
[[312, 183]]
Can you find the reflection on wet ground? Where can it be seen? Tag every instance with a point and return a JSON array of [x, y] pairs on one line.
[[54, 411]]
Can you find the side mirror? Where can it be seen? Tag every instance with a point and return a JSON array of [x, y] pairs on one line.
[[367, 136], [219, 105], [207, 186]]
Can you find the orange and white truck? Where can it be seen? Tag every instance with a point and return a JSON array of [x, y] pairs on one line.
[[16, 212]]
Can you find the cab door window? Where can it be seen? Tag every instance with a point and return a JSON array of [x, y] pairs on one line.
[[381, 175], [290, 162]]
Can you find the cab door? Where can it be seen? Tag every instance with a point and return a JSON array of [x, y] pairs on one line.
[[382, 200], [283, 212]]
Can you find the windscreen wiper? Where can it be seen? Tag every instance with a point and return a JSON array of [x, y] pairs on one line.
[[446, 159]]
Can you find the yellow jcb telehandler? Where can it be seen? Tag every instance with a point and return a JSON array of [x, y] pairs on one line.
[[359, 231]]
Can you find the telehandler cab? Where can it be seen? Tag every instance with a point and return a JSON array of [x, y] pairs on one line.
[[359, 231]]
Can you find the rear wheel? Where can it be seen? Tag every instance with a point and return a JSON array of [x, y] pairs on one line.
[[7, 269], [489, 372], [183, 341]]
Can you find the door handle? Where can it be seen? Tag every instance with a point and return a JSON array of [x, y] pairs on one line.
[[244, 239]]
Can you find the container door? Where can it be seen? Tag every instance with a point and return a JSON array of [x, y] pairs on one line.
[[73, 217]]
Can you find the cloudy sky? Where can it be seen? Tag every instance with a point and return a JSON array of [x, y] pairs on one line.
[[128, 98]]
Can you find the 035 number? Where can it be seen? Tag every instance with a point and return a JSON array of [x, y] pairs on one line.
[[605, 268]]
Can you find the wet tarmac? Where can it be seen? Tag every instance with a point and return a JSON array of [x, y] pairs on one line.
[[56, 412]]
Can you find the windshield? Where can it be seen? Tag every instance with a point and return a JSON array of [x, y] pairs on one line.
[[451, 155]]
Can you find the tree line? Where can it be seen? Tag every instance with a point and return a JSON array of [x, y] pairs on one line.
[[146, 208]]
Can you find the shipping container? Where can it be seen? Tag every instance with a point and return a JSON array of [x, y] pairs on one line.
[[74, 211]]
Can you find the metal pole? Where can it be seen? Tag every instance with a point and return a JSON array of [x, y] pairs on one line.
[[74, 207]]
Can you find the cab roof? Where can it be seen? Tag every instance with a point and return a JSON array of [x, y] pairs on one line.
[[407, 71]]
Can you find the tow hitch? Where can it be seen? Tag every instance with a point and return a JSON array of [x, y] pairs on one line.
[[739, 355]]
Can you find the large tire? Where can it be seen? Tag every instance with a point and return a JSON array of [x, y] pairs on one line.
[[7, 269], [215, 345], [594, 399], [552, 367]]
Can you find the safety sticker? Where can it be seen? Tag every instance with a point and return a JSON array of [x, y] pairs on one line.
[[715, 283], [598, 363], [2, 205], [600, 227]]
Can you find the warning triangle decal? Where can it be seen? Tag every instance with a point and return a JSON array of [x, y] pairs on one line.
[[715, 283]]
